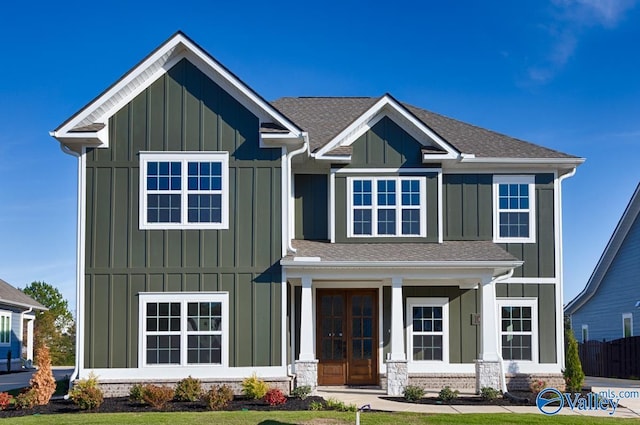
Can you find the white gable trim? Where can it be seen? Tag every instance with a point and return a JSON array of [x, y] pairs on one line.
[[630, 215], [148, 71], [386, 106]]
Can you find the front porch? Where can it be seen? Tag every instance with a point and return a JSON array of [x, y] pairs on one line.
[[396, 323]]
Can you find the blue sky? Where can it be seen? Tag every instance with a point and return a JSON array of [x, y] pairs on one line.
[[561, 73]]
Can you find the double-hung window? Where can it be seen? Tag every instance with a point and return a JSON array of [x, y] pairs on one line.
[[627, 325], [514, 209], [518, 329], [184, 329], [183, 190], [386, 206], [427, 329], [5, 328]]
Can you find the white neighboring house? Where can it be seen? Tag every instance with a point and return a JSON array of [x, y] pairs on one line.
[[17, 309]]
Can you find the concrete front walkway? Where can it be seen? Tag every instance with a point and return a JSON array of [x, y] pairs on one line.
[[374, 398], [628, 390]]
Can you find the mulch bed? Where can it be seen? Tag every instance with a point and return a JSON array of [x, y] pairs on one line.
[[122, 404], [520, 399]]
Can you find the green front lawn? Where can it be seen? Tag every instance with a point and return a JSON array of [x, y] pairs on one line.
[[308, 418]]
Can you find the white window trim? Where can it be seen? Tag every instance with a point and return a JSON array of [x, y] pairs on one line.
[[630, 317], [585, 333], [398, 207], [428, 302], [184, 158], [183, 298], [504, 179], [7, 315], [520, 302]]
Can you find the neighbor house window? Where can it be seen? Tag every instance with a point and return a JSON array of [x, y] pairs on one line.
[[5, 328], [518, 324], [627, 325], [514, 209], [585, 333], [428, 329], [387, 206], [184, 329], [182, 190]]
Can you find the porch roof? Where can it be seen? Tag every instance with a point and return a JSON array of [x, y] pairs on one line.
[[15, 297], [454, 253]]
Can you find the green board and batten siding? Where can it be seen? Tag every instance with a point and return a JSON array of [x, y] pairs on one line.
[[468, 215], [183, 110], [386, 145]]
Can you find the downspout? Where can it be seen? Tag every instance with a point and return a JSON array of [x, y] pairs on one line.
[[560, 264], [290, 219], [503, 378], [79, 324]]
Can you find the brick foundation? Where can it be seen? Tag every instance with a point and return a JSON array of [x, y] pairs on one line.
[[120, 388], [466, 382]]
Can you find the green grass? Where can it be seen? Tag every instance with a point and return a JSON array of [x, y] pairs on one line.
[[309, 418]]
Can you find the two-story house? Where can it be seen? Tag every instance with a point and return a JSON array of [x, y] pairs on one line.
[[314, 241]]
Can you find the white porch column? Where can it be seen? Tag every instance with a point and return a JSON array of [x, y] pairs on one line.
[[397, 371], [489, 365], [306, 365], [397, 322], [30, 339], [489, 321], [306, 321]]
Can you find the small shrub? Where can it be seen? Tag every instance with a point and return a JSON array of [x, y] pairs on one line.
[[5, 400], [26, 399], [447, 394], [573, 374], [135, 393], [316, 405], [43, 383], [254, 388], [188, 389], [301, 392], [489, 393], [274, 397], [537, 385], [157, 395], [335, 404], [413, 393], [218, 397], [86, 393]]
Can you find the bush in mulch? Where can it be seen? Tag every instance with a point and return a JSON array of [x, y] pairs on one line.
[[517, 399], [124, 404]]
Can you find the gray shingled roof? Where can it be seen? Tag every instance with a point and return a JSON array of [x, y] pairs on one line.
[[324, 117], [14, 296], [471, 251]]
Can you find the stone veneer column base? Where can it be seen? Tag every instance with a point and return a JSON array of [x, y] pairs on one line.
[[307, 374], [488, 375], [397, 377]]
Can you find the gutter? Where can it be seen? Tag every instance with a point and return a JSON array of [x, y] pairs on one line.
[[290, 155]]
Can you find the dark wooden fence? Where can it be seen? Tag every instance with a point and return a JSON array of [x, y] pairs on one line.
[[612, 359]]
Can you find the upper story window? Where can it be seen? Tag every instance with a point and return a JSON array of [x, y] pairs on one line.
[[5, 328], [183, 190], [627, 325], [184, 329], [386, 206], [514, 209]]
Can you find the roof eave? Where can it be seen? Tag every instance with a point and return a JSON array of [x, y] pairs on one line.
[[23, 305], [404, 264]]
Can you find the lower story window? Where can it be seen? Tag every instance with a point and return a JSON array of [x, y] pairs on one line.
[[5, 327], [517, 329], [427, 330], [184, 329]]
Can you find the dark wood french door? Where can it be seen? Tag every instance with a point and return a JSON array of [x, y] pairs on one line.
[[347, 337]]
